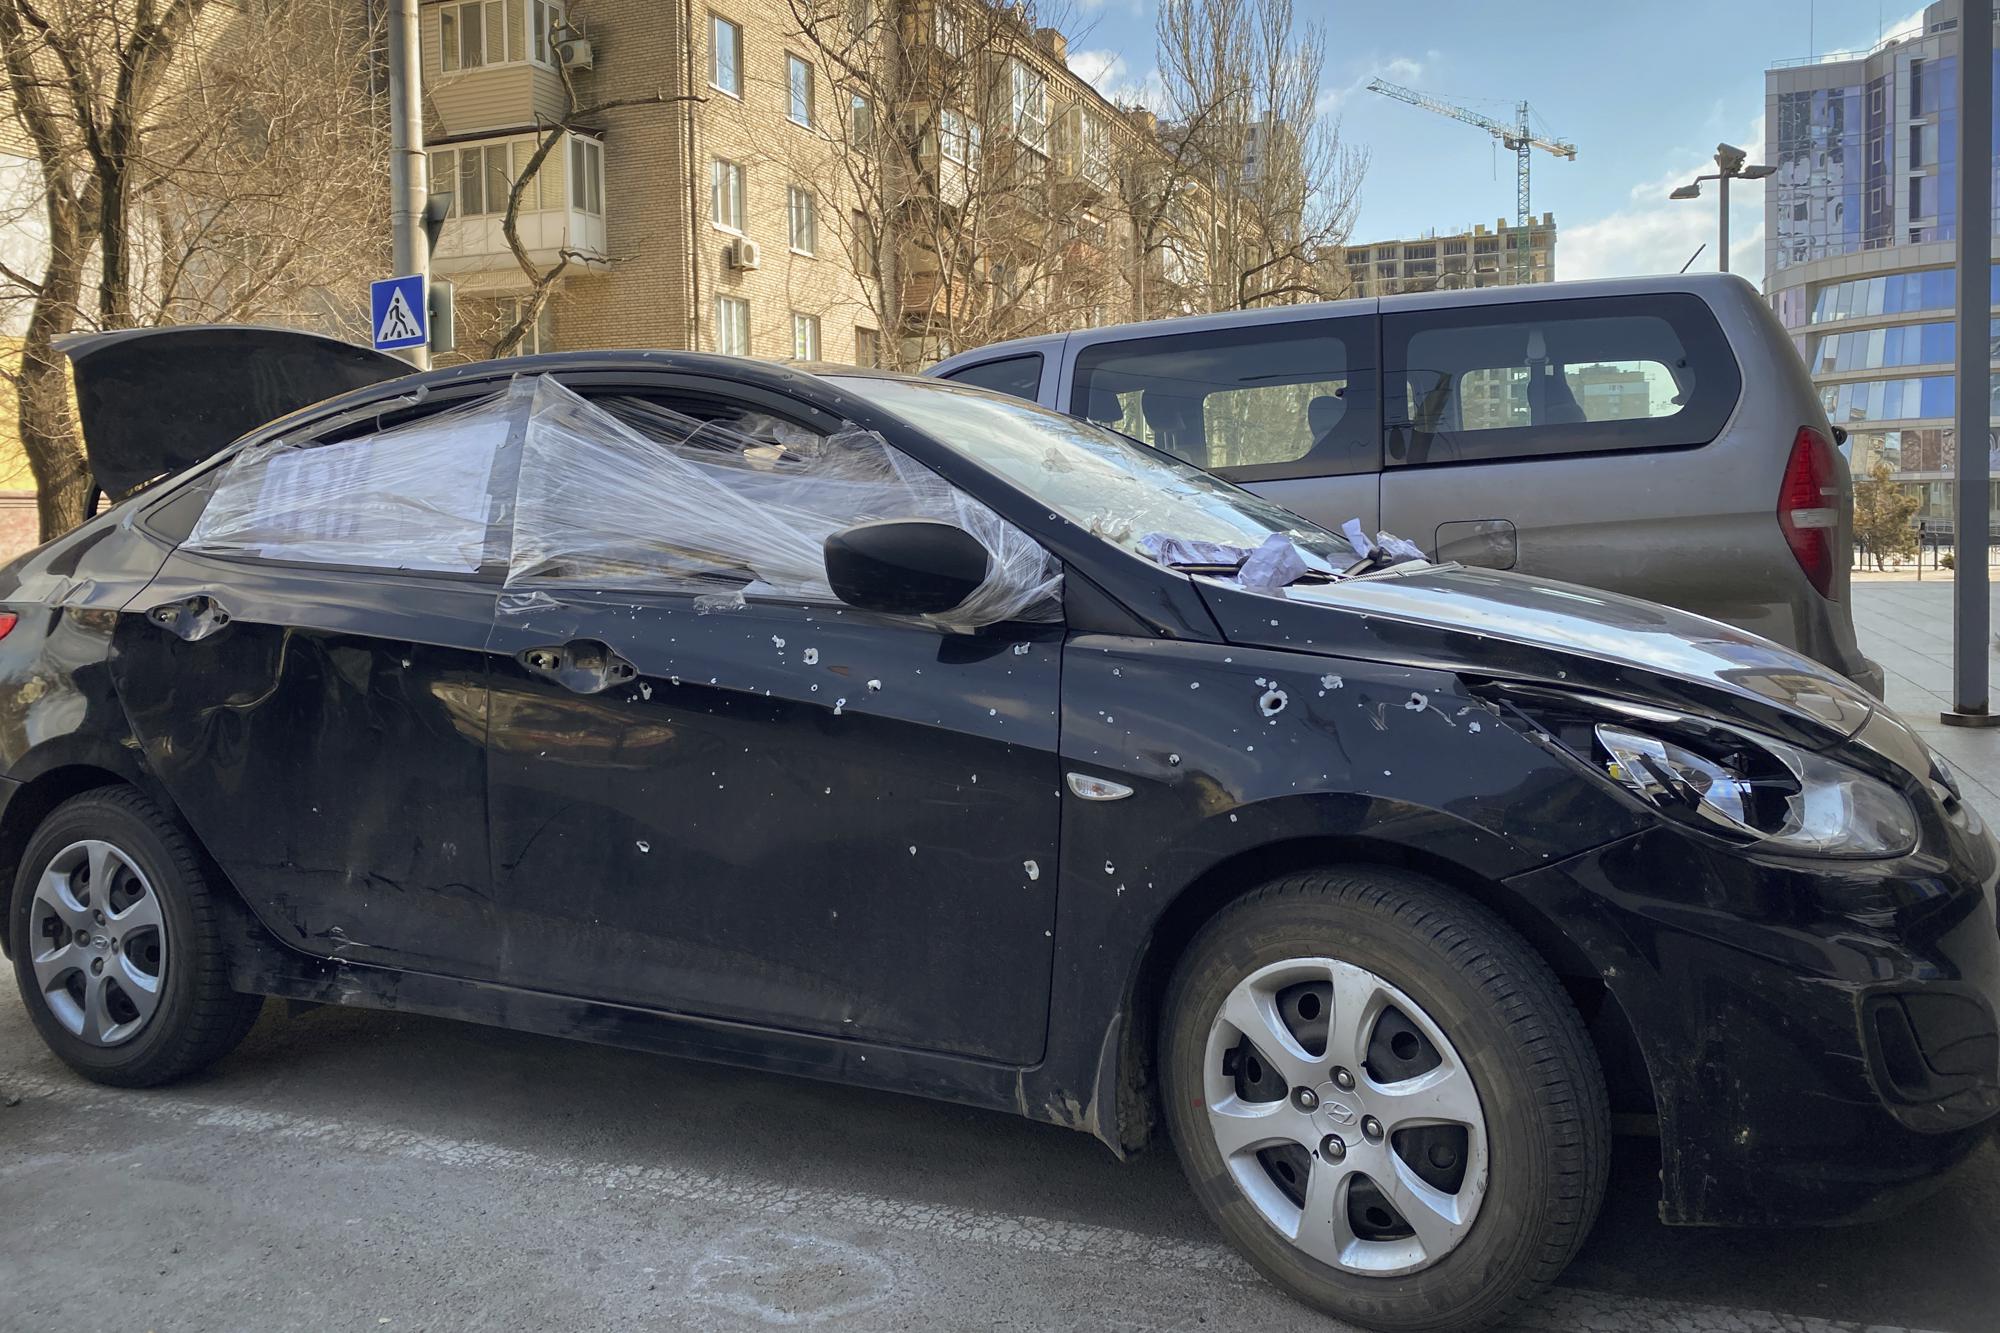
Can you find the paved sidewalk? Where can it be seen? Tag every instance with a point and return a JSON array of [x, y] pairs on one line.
[[1905, 625]]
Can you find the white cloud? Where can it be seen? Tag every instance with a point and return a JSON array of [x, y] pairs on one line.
[[1655, 234], [1099, 68], [1396, 69], [1108, 72], [1911, 22]]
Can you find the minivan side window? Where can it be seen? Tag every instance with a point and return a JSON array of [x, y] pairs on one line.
[[1489, 383], [1018, 375], [1252, 402]]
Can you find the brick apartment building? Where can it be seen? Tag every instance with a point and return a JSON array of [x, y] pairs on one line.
[[743, 220]]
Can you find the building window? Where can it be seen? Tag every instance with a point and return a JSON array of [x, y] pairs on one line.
[[1030, 105], [478, 33], [1096, 137], [861, 122], [799, 91], [586, 175], [725, 194], [958, 144], [732, 325], [805, 337], [867, 259], [538, 193], [867, 347], [725, 55], [950, 30], [540, 336], [543, 20], [803, 219], [481, 176]]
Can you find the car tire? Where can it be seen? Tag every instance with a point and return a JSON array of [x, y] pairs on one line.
[[83, 958], [1512, 1174]]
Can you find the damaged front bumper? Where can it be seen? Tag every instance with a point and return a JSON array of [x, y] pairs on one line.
[[1822, 1039]]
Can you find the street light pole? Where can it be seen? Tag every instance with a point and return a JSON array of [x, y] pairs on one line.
[[1722, 227], [409, 169], [1730, 166], [1972, 612]]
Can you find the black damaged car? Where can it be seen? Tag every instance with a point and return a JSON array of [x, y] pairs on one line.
[[899, 733]]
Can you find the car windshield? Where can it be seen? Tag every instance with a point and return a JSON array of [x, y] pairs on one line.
[[1107, 483]]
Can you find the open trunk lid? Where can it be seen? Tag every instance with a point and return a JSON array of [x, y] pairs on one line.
[[154, 401]]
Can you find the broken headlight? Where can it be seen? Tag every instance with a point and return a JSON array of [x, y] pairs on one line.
[[1755, 789]]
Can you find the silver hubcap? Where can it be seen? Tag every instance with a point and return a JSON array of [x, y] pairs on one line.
[[1345, 1116], [99, 943]]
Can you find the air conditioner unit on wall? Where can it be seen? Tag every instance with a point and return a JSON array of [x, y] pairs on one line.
[[575, 53], [744, 254]]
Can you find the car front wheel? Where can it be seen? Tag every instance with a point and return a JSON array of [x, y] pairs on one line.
[[117, 944], [1385, 1099]]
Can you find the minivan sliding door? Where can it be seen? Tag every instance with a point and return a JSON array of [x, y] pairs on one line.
[[1286, 408]]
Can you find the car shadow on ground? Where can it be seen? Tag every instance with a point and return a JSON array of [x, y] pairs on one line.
[[1931, 1267]]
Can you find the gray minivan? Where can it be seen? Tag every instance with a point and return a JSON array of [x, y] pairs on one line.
[[1654, 436]]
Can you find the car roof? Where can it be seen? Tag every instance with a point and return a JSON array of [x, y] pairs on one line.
[[1712, 287]]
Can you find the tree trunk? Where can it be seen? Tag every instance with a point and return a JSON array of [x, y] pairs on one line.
[[47, 425], [48, 435]]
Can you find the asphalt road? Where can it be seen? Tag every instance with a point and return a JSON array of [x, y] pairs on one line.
[[352, 1170]]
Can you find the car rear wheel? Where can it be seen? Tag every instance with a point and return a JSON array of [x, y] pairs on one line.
[[1384, 1098], [117, 944]]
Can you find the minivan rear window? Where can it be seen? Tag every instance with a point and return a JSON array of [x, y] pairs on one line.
[[1018, 375], [1486, 383]]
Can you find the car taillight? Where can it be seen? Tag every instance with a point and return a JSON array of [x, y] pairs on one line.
[[1809, 506], [7, 622]]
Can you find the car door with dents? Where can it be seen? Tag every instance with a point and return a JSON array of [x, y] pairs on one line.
[[717, 791], [306, 674]]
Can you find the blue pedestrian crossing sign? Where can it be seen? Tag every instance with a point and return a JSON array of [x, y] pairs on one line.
[[398, 312]]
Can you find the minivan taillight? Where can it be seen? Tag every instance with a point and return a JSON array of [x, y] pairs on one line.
[[7, 622], [1809, 506]]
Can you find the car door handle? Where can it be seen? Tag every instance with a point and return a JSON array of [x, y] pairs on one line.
[[584, 666], [191, 618]]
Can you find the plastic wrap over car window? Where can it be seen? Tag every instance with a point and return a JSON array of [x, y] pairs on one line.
[[430, 495], [632, 495]]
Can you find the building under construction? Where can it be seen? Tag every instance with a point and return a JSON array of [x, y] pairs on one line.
[[1477, 257]]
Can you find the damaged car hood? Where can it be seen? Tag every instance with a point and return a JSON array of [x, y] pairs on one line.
[[1511, 626]]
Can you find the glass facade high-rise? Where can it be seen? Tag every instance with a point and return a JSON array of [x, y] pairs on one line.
[[1860, 228]]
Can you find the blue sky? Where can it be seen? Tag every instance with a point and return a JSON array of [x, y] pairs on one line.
[[1644, 90]]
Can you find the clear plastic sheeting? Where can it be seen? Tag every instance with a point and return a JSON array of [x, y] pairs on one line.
[[619, 495], [629, 494], [430, 495]]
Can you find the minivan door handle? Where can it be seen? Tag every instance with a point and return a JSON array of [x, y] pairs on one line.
[[583, 666], [191, 618]]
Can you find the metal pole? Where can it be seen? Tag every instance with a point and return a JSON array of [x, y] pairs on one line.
[[409, 169], [1972, 612], [1722, 228]]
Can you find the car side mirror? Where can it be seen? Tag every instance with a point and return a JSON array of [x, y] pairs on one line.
[[905, 566]]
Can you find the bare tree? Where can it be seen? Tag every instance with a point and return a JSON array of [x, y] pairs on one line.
[[1277, 185], [260, 186], [947, 179], [197, 161]]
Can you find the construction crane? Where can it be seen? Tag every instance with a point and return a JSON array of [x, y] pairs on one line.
[[1520, 137]]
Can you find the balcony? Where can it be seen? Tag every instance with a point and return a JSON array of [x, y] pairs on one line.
[[562, 208]]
